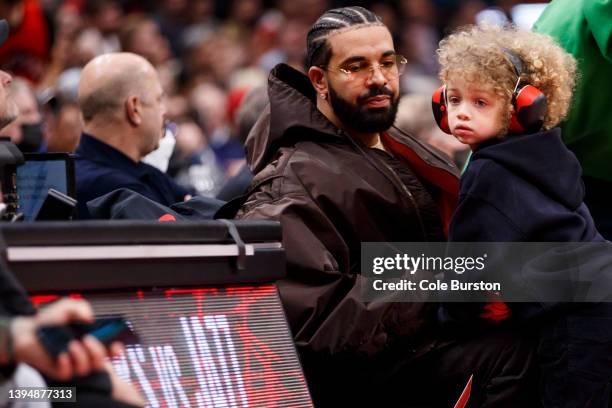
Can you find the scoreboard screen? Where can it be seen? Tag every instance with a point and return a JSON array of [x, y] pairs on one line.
[[212, 331], [207, 347]]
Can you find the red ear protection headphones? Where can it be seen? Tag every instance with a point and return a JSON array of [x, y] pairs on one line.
[[528, 103], [438, 104]]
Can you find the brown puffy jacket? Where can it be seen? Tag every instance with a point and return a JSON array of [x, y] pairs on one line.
[[331, 193]]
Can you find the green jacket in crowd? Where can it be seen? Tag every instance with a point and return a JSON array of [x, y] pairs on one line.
[[584, 29]]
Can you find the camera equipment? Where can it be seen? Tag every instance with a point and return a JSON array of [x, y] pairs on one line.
[[56, 207], [10, 158], [41, 173]]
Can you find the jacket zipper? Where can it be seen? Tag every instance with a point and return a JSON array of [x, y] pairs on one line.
[[410, 196]]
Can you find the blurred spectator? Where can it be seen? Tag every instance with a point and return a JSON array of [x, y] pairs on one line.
[[172, 16], [419, 44], [388, 13], [123, 109], [422, 11], [201, 25], [466, 13], [211, 39], [189, 141], [306, 10], [206, 53], [253, 104], [68, 23], [243, 79], [177, 106], [140, 34], [200, 169], [418, 38], [88, 44], [27, 131], [292, 43], [66, 132], [210, 102], [243, 15], [215, 58], [506, 6], [492, 16], [67, 85], [26, 51], [105, 17], [264, 44]]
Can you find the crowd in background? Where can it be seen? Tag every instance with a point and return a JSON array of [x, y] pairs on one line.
[[209, 54]]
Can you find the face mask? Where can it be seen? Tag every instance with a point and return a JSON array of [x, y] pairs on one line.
[[160, 157], [31, 137]]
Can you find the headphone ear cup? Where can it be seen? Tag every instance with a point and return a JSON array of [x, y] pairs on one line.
[[529, 108], [438, 105]]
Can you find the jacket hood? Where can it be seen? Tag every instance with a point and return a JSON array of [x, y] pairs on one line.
[[543, 160], [292, 109]]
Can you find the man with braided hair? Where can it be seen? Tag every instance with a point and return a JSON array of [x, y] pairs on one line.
[[331, 167]]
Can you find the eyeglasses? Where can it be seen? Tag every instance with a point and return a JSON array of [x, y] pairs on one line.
[[391, 67]]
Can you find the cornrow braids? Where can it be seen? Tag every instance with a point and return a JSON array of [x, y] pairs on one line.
[[335, 21]]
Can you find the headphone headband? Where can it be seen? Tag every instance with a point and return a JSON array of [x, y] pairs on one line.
[[515, 60]]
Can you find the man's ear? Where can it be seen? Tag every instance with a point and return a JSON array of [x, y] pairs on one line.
[[132, 110], [318, 79]]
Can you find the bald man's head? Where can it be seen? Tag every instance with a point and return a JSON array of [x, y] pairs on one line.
[[109, 80], [122, 102]]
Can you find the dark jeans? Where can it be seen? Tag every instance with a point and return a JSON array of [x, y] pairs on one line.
[[503, 365], [597, 198], [575, 354]]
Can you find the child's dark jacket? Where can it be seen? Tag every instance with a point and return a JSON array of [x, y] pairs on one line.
[[523, 188]]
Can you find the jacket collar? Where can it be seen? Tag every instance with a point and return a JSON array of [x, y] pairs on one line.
[[292, 113], [95, 150], [542, 159], [293, 104]]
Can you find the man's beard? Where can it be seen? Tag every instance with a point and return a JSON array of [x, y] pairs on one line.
[[361, 118]]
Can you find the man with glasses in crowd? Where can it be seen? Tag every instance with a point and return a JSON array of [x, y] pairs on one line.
[[332, 168]]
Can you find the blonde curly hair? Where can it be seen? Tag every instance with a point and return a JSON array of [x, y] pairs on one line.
[[477, 54]]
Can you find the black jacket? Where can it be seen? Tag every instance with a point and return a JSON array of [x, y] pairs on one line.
[[100, 169], [523, 188]]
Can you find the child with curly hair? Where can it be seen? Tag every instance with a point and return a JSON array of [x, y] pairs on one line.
[[504, 93]]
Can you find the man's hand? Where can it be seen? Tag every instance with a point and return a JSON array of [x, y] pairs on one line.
[[124, 391], [82, 357]]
